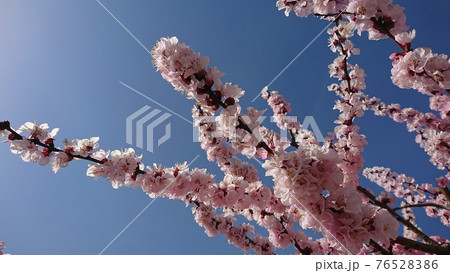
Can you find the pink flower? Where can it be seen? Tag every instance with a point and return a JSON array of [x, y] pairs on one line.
[[36, 131], [178, 64], [405, 38], [60, 160], [345, 199], [302, 8], [442, 182], [365, 9], [231, 91], [386, 226], [262, 245], [85, 147], [387, 198], [422, 70]]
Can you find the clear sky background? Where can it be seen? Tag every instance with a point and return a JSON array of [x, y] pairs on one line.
[[61, 63]]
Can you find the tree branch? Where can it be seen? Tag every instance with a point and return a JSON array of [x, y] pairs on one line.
[[382, 28], [446, 192], [15, 136], [422, 205], [241, 124], [408, 224], [293, 142], [443, 249], [379, 248]]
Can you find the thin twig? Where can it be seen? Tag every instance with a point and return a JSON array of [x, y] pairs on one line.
[[387, 32], [422, 205], [293, 142]]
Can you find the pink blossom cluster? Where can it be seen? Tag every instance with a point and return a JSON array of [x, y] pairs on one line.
[[239, 236], [120, 167], [408, 215], [198, 187], [223, 137], [300, 177], [303, 8], [124, 168], [433, 133], [26, 149], [179, 64], [424, 71], [350, 143], [29, 150], [280, 108], [406, 189], [239, 192], [315, 186], [2, 246], [311, 181], [327, 172], [377, 17], [186, 71], [339, 39]]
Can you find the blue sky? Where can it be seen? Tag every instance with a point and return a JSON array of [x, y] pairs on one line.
[[61, 63]]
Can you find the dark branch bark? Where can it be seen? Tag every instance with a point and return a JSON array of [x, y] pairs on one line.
[[422, 205], [379, 248], [434, 249], [446, 192]]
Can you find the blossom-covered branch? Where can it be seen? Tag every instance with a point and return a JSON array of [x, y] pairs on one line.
[[315, 185]]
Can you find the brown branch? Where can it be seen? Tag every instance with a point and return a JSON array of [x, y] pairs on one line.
[[443, 249], [408, 224], [334, 14], [198, 204], [4, 125], [432, 246], [241, 124], [386, 31], [381, 27], [422, 205], [261, 144], [446, 192], [347, 75], [293, 142], [379, 248], [296, 245], [16, 136]]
